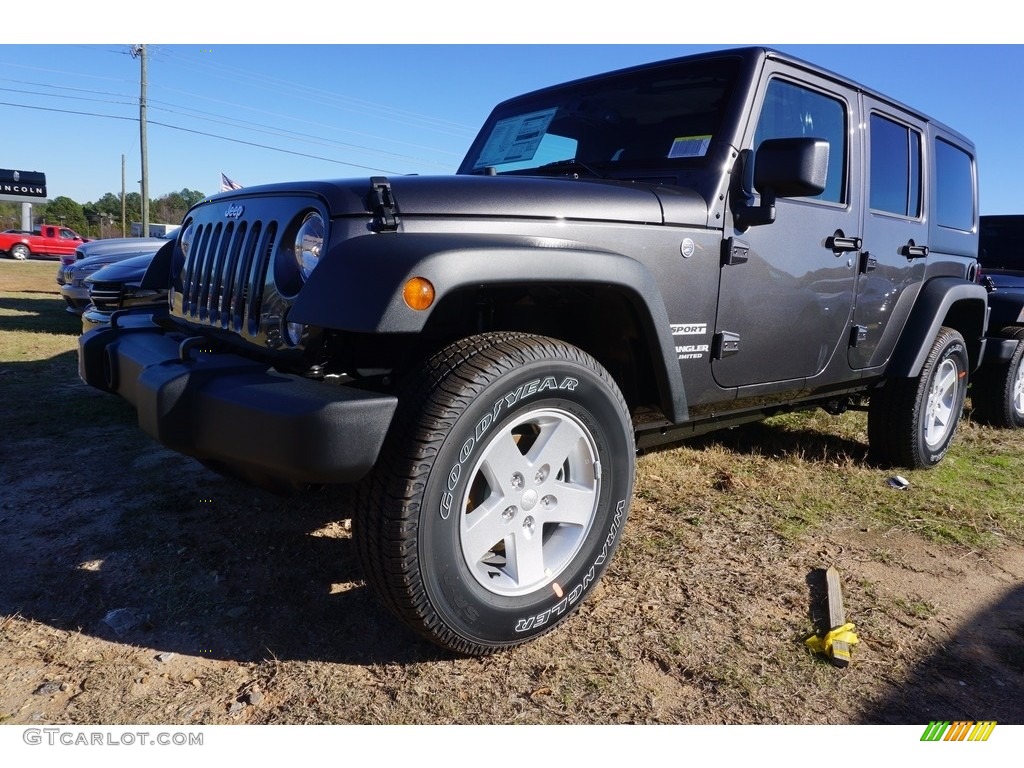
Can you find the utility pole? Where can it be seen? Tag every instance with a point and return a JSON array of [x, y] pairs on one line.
[[122, 196], [140, 52]]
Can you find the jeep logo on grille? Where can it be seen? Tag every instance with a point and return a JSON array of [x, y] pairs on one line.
[[234, 211]]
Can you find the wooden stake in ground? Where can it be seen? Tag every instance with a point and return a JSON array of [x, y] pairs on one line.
[[840, 649]]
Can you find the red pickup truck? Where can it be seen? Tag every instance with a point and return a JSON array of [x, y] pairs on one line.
[[48, 240]]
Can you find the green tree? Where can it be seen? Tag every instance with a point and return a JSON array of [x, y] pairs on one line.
[[133, 208], [109, 204], [63, 211], [191, 196], [172, 207], [10, 215]]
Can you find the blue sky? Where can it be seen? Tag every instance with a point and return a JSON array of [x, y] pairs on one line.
[[264, 113]]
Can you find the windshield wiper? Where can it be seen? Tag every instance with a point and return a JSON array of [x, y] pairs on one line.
[[572, 163]]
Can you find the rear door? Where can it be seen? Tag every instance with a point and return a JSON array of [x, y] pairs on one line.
[[895, 247]]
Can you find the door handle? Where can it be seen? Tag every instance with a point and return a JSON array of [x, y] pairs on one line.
[[913, 251], [840, 243]]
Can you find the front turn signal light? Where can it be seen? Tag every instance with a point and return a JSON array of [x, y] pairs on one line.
[[418, 293]]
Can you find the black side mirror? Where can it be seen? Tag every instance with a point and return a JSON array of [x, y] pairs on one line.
[[795, 167]]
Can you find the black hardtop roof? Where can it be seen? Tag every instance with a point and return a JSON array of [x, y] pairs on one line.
[[753, 58]]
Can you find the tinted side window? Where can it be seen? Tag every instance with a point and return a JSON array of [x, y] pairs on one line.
[[955, 187], [895, 168], [790, 111]]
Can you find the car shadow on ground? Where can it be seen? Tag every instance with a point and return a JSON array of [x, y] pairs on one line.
[[776, 442], [236, 575], [982, 664], [37, 315], [105, 532]]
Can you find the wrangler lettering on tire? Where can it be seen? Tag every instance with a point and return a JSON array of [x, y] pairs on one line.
[[501, 492]]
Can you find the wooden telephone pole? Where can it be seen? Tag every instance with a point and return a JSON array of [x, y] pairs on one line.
[[139, 51]]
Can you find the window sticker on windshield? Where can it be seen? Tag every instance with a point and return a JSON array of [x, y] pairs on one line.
[[690, 146], [515, 138]]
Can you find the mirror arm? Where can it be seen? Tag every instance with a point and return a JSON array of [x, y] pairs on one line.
[[749, 215]]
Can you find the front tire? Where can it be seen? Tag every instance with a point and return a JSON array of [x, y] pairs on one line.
[[501, 492], [911, 422], [997, 393], [20, 252]]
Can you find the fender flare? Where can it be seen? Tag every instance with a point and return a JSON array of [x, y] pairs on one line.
[[942, 301], [158, 274], [357, 287]]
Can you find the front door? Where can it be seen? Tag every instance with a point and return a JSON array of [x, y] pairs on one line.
[[785, 311]]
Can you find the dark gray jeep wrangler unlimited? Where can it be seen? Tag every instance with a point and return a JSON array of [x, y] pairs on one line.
[[620, 262]]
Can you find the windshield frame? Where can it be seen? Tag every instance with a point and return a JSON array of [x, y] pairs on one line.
[[595, 118]]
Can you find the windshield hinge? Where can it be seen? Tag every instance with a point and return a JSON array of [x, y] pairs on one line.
[[382, 205], [734, 251]]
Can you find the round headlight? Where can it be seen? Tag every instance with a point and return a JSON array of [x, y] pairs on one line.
[[186, 239], [309, 242]]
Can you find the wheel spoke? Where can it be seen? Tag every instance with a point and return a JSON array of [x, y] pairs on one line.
[[484, 530], [571, 504], [501, 462], [526, 558], [556, 441], [938, 421], [947, 383]]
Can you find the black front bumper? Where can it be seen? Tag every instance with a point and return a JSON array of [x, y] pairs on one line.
[[236, 413]]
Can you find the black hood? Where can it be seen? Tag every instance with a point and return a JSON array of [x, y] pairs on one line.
[[128, 271]]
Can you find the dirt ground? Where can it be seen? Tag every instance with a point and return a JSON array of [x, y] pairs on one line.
[[138, 587]]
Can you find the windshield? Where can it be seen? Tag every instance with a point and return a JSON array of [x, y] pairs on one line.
[[660, 117]]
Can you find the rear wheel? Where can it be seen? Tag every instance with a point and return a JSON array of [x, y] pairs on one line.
[[501, 492], [911, 422], [997, 393], [20, 251]]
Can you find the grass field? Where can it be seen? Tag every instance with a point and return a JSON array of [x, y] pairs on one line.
[[242, 606]]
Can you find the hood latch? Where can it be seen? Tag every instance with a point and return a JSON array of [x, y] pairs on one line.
[[382, 205]]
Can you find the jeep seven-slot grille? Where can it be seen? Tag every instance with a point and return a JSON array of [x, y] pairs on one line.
[[106, 297], [225, 274]]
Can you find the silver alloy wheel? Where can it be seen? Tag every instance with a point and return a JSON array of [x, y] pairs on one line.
[[19, 252], [1017, 394], [939, 416], [532, 498]]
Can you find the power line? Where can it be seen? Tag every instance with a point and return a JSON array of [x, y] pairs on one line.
[[225, 120], [172, 108], [320, 96], [209, 135]]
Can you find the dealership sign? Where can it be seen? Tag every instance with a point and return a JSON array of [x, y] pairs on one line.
[[30, 184]]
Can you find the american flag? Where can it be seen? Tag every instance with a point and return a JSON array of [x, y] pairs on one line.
[[227, 184]]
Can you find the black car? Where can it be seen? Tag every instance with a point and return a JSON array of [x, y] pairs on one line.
[[997, 391], [116, 287]]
